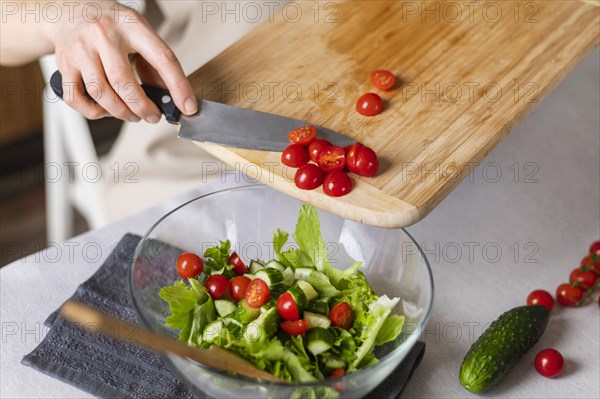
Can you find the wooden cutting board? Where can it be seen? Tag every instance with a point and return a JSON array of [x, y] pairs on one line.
[[469, 72]]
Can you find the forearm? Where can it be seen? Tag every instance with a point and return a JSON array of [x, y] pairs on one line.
[[26, 30]]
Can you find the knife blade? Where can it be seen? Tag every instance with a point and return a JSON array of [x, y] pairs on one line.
[[228, 125]]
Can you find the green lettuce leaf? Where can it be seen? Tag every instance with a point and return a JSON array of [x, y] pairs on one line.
[[217, 260], [391, 328], [191, 309]]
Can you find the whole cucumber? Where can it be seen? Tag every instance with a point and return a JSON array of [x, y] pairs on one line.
[[505, 341]]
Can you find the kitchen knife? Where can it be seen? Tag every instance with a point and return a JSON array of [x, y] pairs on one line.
[[225, 124]]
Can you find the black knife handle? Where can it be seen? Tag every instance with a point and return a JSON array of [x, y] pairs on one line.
[[161, 97]]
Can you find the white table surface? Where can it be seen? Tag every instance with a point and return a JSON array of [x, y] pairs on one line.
[[551, 216]]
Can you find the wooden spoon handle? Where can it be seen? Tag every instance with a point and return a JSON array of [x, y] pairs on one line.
[[216, 357]]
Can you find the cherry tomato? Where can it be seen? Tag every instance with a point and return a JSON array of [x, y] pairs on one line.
[[351, 152], [567, 295], [216, 285], [238, 265], [297, 327], [309, 177], [369, 104], [549, 363], [382, 79], [362, 160], [189, 265], [541, 297], [257, 293], [332, 159], [238, 286], [287, 308], [303, 135], [341, 315], [294, 155], [584, 279], [338, 373], [337, 184], [595, 249], [315, 147]]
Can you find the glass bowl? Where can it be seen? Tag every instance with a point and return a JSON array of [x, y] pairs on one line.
[[393, 264]]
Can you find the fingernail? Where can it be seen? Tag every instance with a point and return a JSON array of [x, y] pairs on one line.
[[153, 118], [191, 106], [133, 118]]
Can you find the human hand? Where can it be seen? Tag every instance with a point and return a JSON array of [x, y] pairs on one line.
[[96, 46]]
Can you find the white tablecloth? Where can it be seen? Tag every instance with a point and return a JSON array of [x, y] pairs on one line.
[[522, 221]]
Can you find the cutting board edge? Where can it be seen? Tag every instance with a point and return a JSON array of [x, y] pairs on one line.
[[400, 214]]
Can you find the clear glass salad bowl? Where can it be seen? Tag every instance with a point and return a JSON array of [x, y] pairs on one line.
[[393, 264]]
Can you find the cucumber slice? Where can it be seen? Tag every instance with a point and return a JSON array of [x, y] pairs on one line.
[[335, 363], [308, 289], [299, 296], [302, 273], [263, 328], [318, 306], [224, 307], [316, 320], [250, 276], [255, 266], [214, 332], [270, 275], [272, 302], [319, 340], [277, 290], [275, 264], [245, 313], [288, 276]]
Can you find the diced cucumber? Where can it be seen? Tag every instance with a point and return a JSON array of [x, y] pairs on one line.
[[319, 340], [255, 266], [224, 307], [263, 328], [308, 289], [245, 313], [277, 290], [272, 302], [302, 273], [214, 332], [250, 276], [316, 320], [298, 295], [335, 363], [288, 276], [275, 264], [318, 306], [270, 275]]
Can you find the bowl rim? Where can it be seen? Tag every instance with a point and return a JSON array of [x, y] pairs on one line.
[[384, 360]]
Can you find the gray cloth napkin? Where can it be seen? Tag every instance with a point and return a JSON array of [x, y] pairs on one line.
[[109, 368]]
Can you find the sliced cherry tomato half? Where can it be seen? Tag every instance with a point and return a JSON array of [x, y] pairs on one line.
[[297, 327], [541, 297], [239, 267], [309, 177], [570, 296], [294, 155], [189, 265], [338, 373], [383, 79], [315, 147], [342, 315], [585, 279], [549, 363], [238, 287], [287, 308], [362, 160], [332, 159], [257, 293], [216, 285], [303, 135], [351, 152], [369, 104], [337, 184]]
